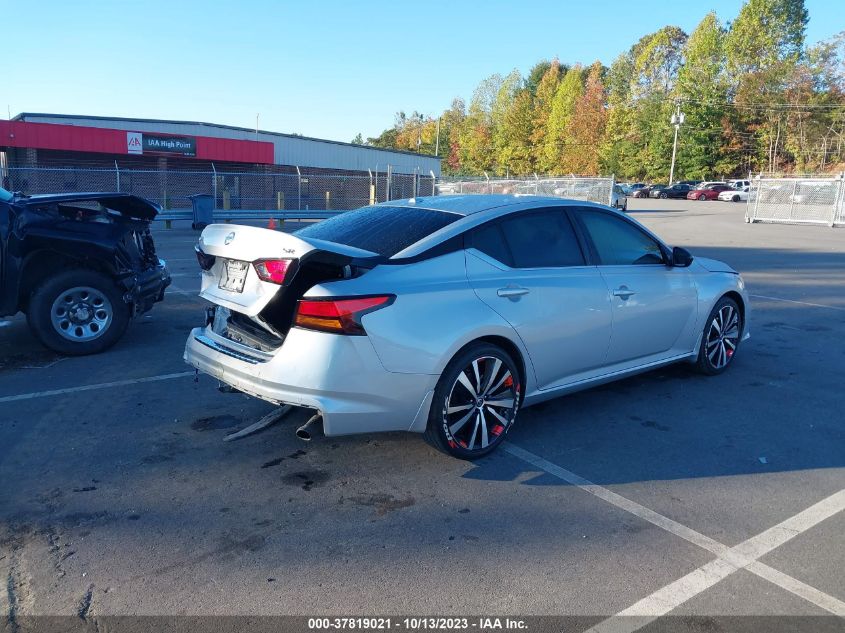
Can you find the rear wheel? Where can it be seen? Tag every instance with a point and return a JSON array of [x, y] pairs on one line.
[[722, 333], [78, 312], [475, 402]]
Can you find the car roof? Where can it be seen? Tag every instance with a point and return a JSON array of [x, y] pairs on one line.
[[479, 208], [471, 204]]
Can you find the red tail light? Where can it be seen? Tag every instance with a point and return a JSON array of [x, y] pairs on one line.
[[205, 260], [341, 316], [273, 270]]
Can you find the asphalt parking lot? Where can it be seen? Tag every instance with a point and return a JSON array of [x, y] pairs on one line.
[[667, 493]]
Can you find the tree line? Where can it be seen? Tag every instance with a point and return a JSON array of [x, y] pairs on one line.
[[755, 98]]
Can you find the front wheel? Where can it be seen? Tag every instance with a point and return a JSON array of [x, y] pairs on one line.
[[78, 312], [663, 196], [475, 402], [722, 334], [702, 197]]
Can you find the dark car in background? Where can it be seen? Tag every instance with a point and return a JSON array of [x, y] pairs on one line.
[[79, 265], [654, 190], [643, 192], [678, 190]]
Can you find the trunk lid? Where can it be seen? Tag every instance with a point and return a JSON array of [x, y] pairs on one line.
[[233, 282]]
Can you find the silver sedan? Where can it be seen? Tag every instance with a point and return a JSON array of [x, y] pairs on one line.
[[446, 315]]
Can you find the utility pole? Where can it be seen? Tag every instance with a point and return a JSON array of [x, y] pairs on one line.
[[676, 120], [437, 140]]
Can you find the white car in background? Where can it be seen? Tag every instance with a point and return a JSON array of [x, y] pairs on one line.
[[618, 199], [740, 184], [738, 195]]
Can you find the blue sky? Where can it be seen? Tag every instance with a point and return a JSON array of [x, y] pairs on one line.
[[326, 69]]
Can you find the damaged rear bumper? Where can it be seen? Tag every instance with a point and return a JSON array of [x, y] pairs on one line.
[[147, 288], [339, 376]]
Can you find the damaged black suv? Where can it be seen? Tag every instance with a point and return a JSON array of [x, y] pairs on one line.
[[79, 265]]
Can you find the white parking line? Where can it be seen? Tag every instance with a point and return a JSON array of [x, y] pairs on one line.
[[102, 385], [728, 561], [803, 303]]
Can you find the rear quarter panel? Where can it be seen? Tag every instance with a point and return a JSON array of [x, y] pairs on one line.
[[435, 314]]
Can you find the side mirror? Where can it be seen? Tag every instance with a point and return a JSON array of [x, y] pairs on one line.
[[681, 257]]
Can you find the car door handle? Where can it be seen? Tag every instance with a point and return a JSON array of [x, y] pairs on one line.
[[623, 293], [512, 291]]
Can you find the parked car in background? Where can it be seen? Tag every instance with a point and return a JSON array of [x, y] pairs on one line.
[[446, 315], [814, 192], [79, 265], [641, 192], [675, 191], [734, 195], [711, 192], [710, 183], [630, 188], [618, 199], [655, 190], [739, 184]]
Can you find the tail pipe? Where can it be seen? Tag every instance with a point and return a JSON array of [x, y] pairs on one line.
[[303, 431]]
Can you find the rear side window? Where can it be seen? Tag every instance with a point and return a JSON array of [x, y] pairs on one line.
[[490, 241], [382, 230], [531, 240]]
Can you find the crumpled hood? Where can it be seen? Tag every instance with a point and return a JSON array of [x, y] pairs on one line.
[[124, 203], [714, 265]]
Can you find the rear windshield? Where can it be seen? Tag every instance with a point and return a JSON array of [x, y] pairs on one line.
[[382, 230]]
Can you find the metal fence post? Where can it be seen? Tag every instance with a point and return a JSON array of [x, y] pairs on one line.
[[298, 189], [792, 198], [838, 201], [389, 176], [433, 183], [214, 183], [489, 189], [612, 187], [117, 176], [756, 198]]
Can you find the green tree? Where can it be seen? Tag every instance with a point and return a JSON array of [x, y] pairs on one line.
[[514, 153], [502, 104], [557, 127], [702, 88], [542, 108]]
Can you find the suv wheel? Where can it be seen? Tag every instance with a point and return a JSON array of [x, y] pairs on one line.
[[78, 312], [475, 402]]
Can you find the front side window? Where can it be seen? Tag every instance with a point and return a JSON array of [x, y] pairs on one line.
[[618, 242]]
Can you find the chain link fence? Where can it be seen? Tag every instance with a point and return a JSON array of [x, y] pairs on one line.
[[268, 188], [819, 200], [591, 189]]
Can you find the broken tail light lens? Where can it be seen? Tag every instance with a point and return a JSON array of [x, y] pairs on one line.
[[273, 270], [205, 260], [339, 316]]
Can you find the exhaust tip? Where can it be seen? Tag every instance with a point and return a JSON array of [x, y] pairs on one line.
[[303, 433]]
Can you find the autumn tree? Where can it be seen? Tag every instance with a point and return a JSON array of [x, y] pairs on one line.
[[586, 127]]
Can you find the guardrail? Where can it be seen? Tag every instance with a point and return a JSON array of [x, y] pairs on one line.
[[222, 215]]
